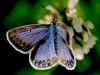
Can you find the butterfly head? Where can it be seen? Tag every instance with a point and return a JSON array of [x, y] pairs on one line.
[[53, 21]]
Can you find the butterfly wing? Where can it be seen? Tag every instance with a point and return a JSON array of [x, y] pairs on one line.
[[25, 37], [44, 56], [64, 53], [63, 32]]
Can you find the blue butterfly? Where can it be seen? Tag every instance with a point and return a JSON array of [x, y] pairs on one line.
[[46, 44]]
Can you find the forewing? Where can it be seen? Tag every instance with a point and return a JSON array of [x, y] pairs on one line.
[[64, 53], [24, 38], [44, 56]]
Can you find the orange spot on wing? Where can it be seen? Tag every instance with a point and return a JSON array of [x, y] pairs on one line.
[[49, 61], [66, 62], [43, 62]]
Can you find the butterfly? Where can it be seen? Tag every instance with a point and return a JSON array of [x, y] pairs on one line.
[[46, 44]]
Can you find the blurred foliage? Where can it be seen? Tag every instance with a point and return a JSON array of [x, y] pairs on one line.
[[83, 65], [96, 73], [19, 15], [25, 13], [30, 71]]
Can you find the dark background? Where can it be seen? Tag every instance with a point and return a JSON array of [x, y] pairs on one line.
[[13, 60]]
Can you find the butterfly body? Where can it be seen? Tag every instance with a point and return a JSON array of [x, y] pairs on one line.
[[45, 44]]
